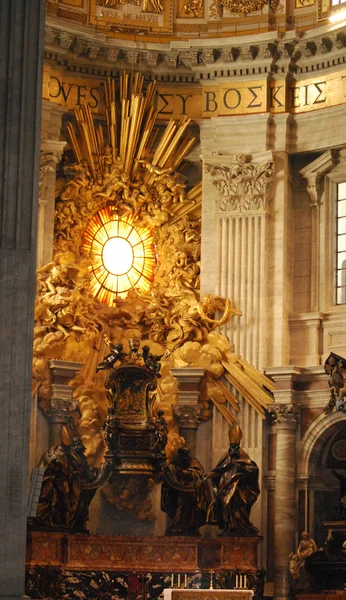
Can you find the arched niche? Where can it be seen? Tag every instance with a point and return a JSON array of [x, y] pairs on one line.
[[322, 449]]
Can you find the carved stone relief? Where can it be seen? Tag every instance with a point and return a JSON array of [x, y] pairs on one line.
[[243, 186]]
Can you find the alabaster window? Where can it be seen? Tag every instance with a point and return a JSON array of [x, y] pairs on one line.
[[341, 243], [337, 2]]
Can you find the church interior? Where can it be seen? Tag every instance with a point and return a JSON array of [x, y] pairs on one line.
[[173, 299]]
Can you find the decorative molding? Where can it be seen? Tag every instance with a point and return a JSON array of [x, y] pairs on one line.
[[295, 54], [139, 554], [189, 58], [314, 172], [66, 39], [239, 7]]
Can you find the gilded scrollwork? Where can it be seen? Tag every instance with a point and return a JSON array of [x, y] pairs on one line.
[[193, 8], [127, 177], [239, 7], [243, 186]]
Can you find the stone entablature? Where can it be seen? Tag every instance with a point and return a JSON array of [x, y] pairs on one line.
[[271, 52], [274, 73]]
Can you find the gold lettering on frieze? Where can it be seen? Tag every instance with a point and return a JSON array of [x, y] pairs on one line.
[[202, 101], [235, 99]]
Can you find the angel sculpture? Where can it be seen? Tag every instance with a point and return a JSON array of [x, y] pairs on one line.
[[109, 361]]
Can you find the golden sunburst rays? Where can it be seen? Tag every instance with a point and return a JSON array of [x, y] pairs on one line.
[[130, 116], [122, 253]]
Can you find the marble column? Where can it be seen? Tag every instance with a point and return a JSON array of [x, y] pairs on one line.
[[51, 153], [285, 416], [21, 51], [188, 410]]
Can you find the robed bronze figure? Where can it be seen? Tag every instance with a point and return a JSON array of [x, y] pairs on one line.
[[185, 494], [236, 488], [68, 486]]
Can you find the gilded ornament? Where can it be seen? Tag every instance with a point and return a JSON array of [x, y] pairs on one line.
[[121, 176], [239, 7], [194, 8], [307, 546], [304, 3], [152, 6], [335, 367]]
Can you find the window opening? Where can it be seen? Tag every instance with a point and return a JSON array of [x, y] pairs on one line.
[[341, 244]]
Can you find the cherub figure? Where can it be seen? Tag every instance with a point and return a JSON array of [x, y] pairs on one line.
[[109, 361], [306, 547], [155, 169], [151, 361], [107, 158], [177, 189]]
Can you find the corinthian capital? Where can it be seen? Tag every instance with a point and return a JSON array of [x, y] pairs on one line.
[[285, 415], [189, 417], [242, 183]]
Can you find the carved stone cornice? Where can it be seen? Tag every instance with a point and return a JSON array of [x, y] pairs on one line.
[[112, 54], [189, 59], [50, 35], [242, 185], [292, 52], [66, 39]]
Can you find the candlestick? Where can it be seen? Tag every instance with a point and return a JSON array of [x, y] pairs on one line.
[[211, 580], [185, 580], [172, 580], [245, 581], [178, 580], [236, 581]]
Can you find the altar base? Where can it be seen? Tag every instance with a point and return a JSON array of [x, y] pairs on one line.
[[106, 567]]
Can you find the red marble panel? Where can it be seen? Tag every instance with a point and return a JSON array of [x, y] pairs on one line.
[[134, 554], [43, 548], [157, 554], [239, 553]]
